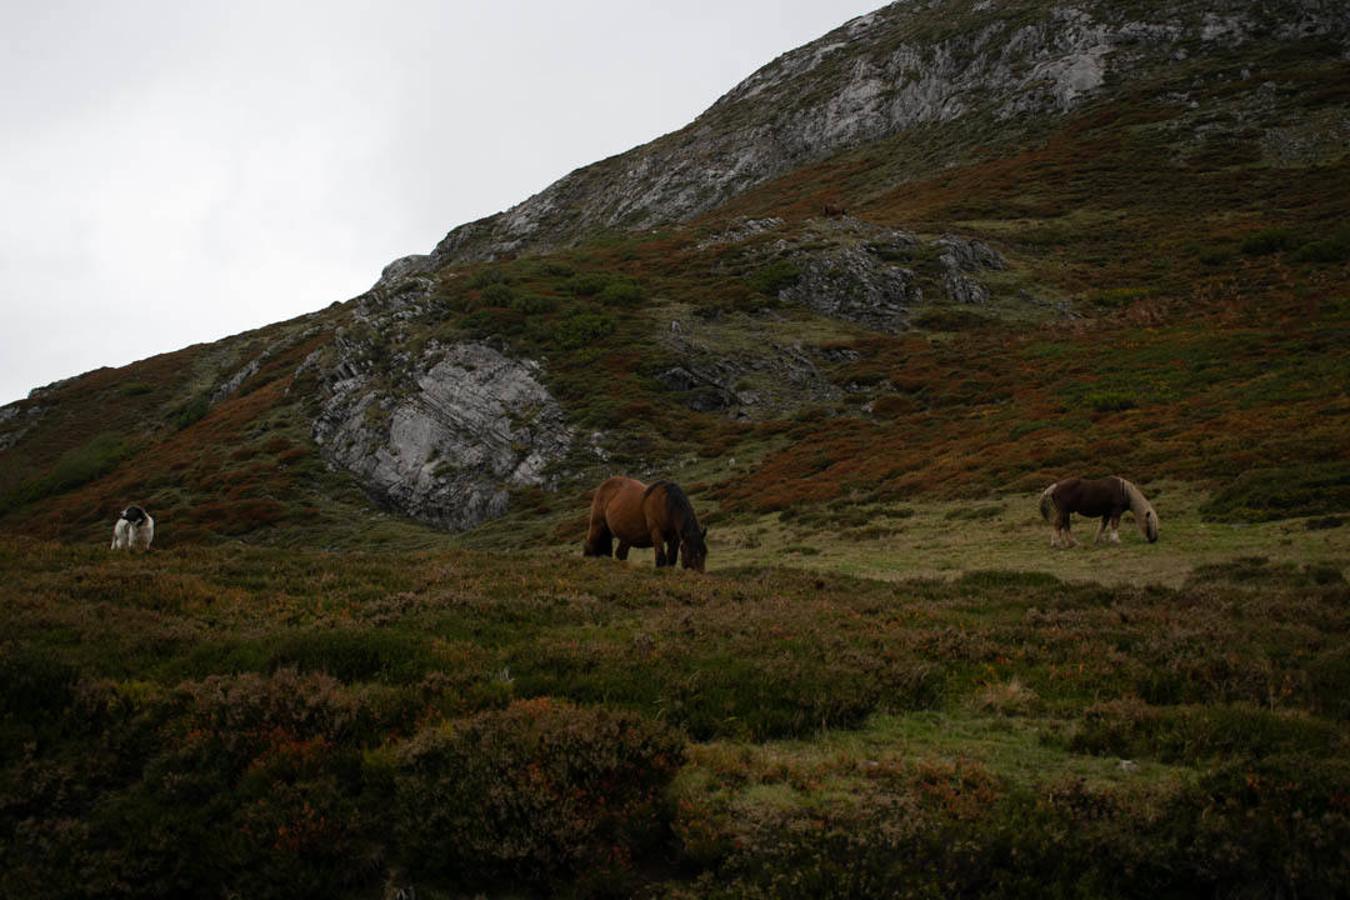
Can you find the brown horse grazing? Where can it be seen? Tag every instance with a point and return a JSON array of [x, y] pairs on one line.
[[833, 211], [1105, 497], [641, 516]]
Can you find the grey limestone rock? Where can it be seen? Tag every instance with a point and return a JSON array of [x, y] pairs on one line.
[[447, 448], [852, 284], [16, 420]]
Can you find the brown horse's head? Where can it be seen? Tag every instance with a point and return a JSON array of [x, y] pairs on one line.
[[694, 549]]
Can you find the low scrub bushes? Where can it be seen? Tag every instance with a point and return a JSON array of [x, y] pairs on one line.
[[292, 785], [1259, 495], [958, 831], [1193, 734], [1269, 240], [582, 328], [75, 467], [1109, 401], [774, 277], [531, 793]]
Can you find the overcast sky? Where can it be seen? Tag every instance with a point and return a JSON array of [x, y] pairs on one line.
[[174, 171]]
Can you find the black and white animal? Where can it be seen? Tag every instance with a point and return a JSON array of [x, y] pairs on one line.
[[135, 528]]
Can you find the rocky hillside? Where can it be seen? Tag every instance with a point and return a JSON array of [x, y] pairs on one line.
[[988, 70], [1106, 237]]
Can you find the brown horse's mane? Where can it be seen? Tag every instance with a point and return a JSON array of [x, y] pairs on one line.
[[679, 509]]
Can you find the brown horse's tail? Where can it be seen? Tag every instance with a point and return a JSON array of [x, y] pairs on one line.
[[1048, 501]]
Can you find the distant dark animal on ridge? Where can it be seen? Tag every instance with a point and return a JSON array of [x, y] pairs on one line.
[[134, 528], [833, 211], [637, 515], [1105, 497]]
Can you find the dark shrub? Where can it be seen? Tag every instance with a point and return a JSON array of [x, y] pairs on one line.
[[350, 656], [1278, 493], [192, 411], [1333, 249], [622, 292], [74, 468], [951, 320], [240, 786], [487, 277], [1272, 828], [34, 685], [1109, 401], [1195, 734], [1269, 240], [588, 284], [497, 295], [774, 277], [1329, 682], [580, 329], [538, 790], [533, 304]]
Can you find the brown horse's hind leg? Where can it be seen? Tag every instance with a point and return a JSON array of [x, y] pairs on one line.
[[1066, 536], [1115, 529]]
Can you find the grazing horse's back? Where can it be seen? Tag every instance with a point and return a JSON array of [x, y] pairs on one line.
[[1104, 498], [616, 512], [660, 516]]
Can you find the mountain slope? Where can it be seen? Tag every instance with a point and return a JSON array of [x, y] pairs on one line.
[[1144, 275], [982, 72]]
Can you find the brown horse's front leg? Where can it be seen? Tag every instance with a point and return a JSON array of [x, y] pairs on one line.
[[622, 552], [673, 552], [663, 558]]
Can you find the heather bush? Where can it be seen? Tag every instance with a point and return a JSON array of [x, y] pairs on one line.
[[622, 292], [1200, 733], [529, 794], [774, 277], [1269, 240], [1262, 494]]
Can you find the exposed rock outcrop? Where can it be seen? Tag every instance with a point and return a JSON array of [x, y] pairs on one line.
[[16, 420], [960, 256], [853, 284], [448, 448]]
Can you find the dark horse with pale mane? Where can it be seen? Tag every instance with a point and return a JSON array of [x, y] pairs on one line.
[[639, 515], [1105, 497]]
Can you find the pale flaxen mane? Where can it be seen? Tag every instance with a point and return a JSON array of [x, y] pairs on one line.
[[1144, 515]]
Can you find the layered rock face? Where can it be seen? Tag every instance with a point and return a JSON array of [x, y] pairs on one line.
[[442, 437], [907, 64], [447, 452]]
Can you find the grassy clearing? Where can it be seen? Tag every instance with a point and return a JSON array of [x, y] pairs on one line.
[[938, 539]]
